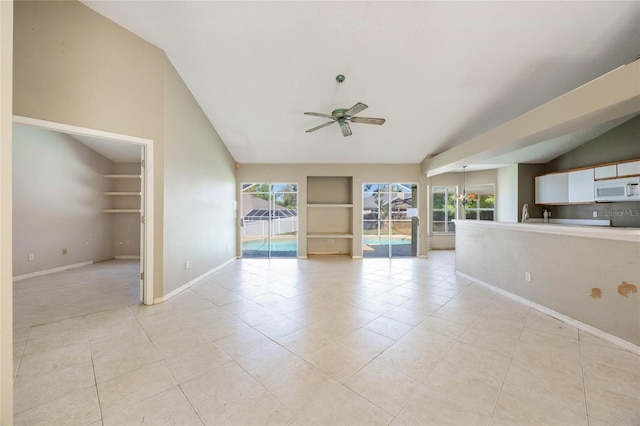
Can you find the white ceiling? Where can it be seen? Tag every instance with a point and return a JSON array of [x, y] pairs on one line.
[[440, 73], [118, 152]]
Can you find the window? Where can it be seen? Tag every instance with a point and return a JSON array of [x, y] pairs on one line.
[[480, 203], [443, 209]]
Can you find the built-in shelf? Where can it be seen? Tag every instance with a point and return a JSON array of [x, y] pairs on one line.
[[122, 176], [329, 205], [327, 235], [121, 193], [121, 211], [124, 193], [329, 215]]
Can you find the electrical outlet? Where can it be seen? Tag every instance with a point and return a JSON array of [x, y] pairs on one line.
[[595, 214], [187, 264], [64, 252], [32, 256], [527, 277]]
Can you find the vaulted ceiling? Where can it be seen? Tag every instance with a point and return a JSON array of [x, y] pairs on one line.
[[440, 73]]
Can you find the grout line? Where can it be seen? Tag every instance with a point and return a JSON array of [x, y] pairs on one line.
[[584, 383]]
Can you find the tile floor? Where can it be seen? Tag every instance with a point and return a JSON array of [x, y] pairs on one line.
[[319, 341]]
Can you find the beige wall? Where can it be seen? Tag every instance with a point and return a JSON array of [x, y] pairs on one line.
[[361, 173], [200, 189], [58, 201], [6, 285], [563, 268], [74, 66]]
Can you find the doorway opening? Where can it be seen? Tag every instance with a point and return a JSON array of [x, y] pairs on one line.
[[143, 182], [269, 220], [389, 219]]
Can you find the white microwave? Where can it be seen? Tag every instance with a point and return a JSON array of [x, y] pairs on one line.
[[624, 189]]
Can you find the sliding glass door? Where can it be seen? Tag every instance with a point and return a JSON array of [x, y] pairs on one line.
[[389, 226], [269, 220]]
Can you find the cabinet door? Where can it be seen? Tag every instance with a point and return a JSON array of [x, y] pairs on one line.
[[629, 169], [581, 186], [552, 189], [605, 172]]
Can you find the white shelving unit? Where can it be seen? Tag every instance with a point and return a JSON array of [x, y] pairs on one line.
[[126, 193]]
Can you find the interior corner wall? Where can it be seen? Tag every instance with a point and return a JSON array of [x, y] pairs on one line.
[[58, 187], [71, 65], [527, 189], [200, 189]]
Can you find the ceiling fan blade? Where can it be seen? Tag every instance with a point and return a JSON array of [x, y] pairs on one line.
[[319, 127], [317, 114], [367, 120], [344, 126], [356, 109]]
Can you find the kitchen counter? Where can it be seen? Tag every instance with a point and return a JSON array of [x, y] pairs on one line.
[[602, 232], [587, 276]]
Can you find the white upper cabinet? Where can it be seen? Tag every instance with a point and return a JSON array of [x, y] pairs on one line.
[[581, 186], [552, 189], [605, 172], [629, 169]]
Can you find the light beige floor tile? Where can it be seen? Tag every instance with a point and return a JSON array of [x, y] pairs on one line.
[[457, 315], [129, 389], [607, 403], [442, 326], [267, 361], [422, 411], [388, 327], [196, 361], [21, 334], [169, 407], [220, 386], [40, 389], [278, 327], [339, 361], [410, 361], [222, 327], [300, 387], [366, 342], [122, 340], [407, 316], [518, 405], [116, 363], [549, 358], [549, 385], [344, 407], [41, 363], [306, 341], [256, 407], [476, 362], [242, 342], [469, 392], [80, 407], [429, 342], [543, 322], [383, 385], [176, 342], [111, 327], [501, 343]]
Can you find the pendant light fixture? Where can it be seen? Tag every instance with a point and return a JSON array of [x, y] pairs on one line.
[[462, 197]]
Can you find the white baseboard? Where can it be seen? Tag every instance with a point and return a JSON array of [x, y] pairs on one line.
[[356, 257], [557, 315], [51, 271], [192, 282], [126, 257], [302, 257]]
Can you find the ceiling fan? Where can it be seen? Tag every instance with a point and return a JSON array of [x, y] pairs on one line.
[[343, 116]]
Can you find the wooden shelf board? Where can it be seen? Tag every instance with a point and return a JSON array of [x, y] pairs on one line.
[[121, 211], [337, 205], [121, 193]]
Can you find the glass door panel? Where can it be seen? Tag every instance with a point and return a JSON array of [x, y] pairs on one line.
[[269, 220], [284, 221], [387, 228]]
